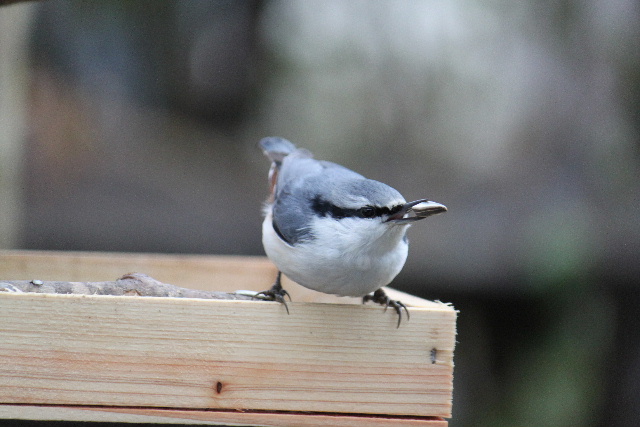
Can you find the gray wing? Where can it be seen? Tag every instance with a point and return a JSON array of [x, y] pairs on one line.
[[299, 181]]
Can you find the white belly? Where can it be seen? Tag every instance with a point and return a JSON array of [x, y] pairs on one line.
[[347, 264]]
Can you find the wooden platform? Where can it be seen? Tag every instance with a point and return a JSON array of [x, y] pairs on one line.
[[178, 360]]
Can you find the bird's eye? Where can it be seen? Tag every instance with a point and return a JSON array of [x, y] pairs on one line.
[[367, 212]]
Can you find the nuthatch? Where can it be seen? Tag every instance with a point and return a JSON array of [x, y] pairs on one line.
[[333, 230]]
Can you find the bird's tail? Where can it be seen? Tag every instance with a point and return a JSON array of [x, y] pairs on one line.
[[276, 149]]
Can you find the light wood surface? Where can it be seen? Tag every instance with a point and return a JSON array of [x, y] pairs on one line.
[[204, 272], [190, 353], [164, 416], [181, 360]]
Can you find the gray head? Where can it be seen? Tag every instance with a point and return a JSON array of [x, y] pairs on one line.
[[357, 197], [308, 188]]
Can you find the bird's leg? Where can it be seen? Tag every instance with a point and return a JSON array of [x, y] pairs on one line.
[[381, 298], [276, 293]]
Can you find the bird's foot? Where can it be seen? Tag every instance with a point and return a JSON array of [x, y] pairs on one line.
[[276, 293], [380, 297]]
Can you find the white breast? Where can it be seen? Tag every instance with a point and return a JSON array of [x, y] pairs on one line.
[[350, 257]]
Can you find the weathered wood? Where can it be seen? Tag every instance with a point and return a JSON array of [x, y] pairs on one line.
[[132, 284], [200, 354], [203, 272]]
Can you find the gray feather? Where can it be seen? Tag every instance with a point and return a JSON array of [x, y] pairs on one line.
[[301, 179], [276, 148]]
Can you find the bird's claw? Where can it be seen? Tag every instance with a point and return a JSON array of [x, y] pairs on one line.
[[276, 293], [380, 297]]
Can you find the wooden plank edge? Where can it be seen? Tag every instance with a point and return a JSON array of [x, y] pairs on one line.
[[210, 417], [102, 266], [226, 273], [118, 321]]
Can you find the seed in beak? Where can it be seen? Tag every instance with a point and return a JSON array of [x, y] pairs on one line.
[[428, 208]]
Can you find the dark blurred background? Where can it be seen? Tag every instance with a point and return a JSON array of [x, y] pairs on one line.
[[133, 126]]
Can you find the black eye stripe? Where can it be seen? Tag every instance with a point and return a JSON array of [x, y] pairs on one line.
[[324, 208], [395, 209], [367, 212]]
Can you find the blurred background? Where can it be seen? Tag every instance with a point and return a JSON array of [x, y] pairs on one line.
[[133, 126]]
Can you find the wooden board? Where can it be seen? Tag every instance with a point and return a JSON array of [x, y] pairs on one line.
[[136, 359], [223, 273], [205, 272], [211, 417]]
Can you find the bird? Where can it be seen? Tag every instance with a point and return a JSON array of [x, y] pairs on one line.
[[332, 230]]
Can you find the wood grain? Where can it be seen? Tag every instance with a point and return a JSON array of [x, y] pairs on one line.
[[207, 354], [211, 417], [204, 272]]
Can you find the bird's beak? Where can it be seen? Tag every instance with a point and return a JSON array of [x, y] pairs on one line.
[[421, 208]]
